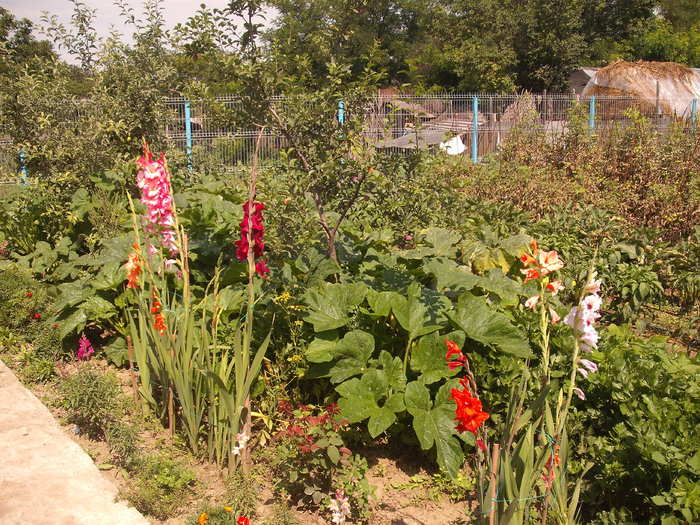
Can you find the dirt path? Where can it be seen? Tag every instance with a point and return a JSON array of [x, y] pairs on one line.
[[45, 477]]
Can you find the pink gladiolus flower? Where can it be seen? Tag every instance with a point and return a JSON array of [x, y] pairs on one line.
[[153, 180], [554, 316], [580, 393], [85, 349], [591, 305], [593, 287], [590, 365], [532, 302]]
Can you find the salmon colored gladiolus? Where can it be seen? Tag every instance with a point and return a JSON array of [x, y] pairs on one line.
[[555, 286], [133, 269], [549, 262]]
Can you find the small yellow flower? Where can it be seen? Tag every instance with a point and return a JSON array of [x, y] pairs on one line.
[[228, 509], [203, 519], [282, 298]]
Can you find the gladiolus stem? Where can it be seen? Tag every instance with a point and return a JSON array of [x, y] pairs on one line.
[[248, 333], [495, 456]]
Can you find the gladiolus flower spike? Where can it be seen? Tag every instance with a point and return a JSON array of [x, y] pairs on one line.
[[256, 234], [133, 269], [153, 180], [85, 349], [582, 320], [468, 412]]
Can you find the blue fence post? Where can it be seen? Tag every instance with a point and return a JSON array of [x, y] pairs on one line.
[[341, 112], [591, 113], [475, 130], [693, 113], [23, 169], [188, 134]]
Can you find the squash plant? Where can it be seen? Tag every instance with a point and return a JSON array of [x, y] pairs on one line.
[[379, 333]]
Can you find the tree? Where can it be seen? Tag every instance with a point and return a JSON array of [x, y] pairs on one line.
[[683, 14], [468, 46], [18, 43], [359, 33], [549, 43]]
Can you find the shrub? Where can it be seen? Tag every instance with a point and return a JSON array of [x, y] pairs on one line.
[[313, 463], [642, 424], [21, 297], [160, 486], [123, 441], [92, 400], [37, 369]]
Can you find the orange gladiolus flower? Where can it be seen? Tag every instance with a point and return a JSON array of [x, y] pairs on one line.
[[469, 413], [133, 269], [158, 319], [530, 274]]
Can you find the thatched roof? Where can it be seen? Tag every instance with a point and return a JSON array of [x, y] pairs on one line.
[[677, 84]]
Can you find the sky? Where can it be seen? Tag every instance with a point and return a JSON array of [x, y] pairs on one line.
[[107, 13]]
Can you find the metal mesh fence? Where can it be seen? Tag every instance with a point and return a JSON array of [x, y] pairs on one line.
[[395, 124], [401, 123]]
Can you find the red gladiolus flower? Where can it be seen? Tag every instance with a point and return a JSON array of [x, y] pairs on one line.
[[37, 316], [28, 294], [242, 520], [469, 413], [252, 223], [453, 350]]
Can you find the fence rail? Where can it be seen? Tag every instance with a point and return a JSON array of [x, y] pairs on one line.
[[476, 123]]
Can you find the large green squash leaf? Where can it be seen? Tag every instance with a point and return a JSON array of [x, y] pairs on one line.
[[412, 313], [352, 353], [434, 425], [428, 357], [360, 399], [483, 324], [330, 304], [448, 275]]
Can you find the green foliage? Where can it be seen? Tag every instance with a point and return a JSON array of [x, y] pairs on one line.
[[313, 462], [37, 369], [381, 341], [242, 494], [281, 515], [92, 400], [640, 389], [123, 441], [160, 487]]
